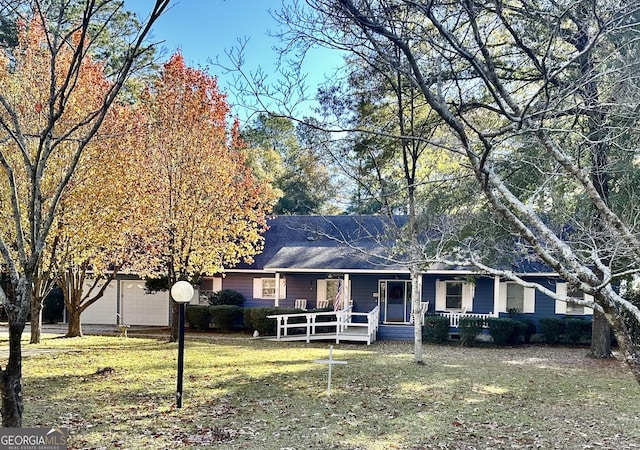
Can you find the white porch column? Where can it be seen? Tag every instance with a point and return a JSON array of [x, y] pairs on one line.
[[277, 300], [346, 291], [496, 296]]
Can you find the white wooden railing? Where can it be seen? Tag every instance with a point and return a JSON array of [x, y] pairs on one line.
[[343, 323], [454, 317]]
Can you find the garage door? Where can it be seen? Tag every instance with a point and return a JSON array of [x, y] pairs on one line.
[[141, 308], [103, 311]]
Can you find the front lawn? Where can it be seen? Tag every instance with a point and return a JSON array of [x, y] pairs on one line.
[[254, 394]]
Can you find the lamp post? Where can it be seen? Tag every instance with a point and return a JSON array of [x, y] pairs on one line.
[[181, 292]]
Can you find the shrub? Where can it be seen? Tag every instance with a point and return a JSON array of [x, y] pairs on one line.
[[435, 329], [470, 328], [198, 317], [528, 329], [225, 317], [551, 328], [502, 330], [519, 330], [578, 330], [226, 297]]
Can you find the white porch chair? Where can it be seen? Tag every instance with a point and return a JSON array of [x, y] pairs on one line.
[[301, 303], [322, 304]]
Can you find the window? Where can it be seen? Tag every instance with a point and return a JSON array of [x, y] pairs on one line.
[[265, 288], [515, 297], [454, 295], [332, 290], [327, 290], [571, 308], [268, 288]]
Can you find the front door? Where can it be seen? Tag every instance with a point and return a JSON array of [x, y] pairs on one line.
[[395, 300]]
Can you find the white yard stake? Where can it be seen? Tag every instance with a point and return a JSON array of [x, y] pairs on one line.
[[330, 362]]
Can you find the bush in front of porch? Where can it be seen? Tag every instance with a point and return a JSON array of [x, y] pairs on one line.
[[435, 329], [470, 328]]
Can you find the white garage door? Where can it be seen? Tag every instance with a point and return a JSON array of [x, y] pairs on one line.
[[140, 308], [104, 310]]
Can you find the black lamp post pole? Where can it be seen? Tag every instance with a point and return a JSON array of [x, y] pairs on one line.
[[180, 356]]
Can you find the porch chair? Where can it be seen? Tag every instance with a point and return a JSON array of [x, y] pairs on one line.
[[301, 303], [322, 304]]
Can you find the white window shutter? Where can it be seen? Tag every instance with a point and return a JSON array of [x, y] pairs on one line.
[[441, 296], [502, 298], [283, 288], [589, 298], [257, 288], [529, 303], [468, 290], [561, 290], [217, 284], [321, 290]]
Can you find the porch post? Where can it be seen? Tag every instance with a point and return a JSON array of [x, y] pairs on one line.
[[496, 296], [345, 289], [277, 299]]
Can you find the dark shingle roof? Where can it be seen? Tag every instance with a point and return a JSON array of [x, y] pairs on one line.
[[324, 243], [342, 243]]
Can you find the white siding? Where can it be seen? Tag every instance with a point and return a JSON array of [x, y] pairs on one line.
[[104, 311], [140, 308]]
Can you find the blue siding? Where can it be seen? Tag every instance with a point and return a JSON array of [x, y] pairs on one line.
[[396, 332], [483, 298], [243, 283], [362, 289]]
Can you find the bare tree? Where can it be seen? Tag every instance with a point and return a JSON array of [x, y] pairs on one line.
[[38, 158], [541, 99], [554, 78]]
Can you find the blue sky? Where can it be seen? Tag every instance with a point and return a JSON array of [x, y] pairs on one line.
[[203, 29]]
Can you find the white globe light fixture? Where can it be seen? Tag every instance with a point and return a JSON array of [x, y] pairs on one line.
[[181, 292]]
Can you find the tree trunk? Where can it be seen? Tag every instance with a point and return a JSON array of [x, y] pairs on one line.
[[416, 312], [175, 320], [11, 378], [629, 350], [600, 336], [75, 327], [36, 321]]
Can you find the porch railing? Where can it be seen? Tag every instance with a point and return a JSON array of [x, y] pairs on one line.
[[454, 317], [343, 324]]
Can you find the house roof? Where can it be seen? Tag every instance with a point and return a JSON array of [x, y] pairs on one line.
[[342, 243], [325, 243]]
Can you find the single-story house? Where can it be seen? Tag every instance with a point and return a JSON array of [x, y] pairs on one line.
[[316, 261]]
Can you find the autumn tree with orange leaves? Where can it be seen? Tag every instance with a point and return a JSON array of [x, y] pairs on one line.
[[53, 101], [205, 209], [96, 229]]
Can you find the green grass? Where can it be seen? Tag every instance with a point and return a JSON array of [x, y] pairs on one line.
[[254, 394]]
